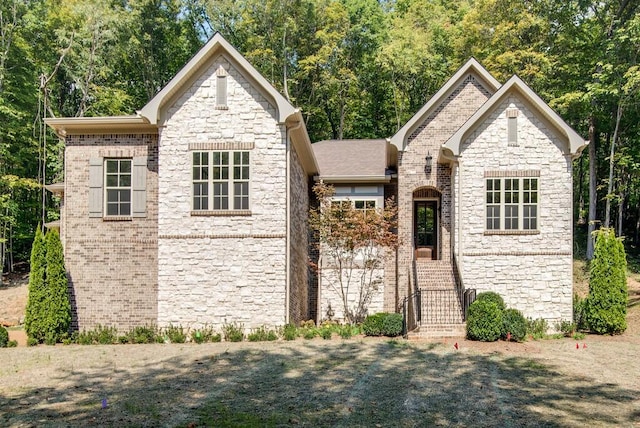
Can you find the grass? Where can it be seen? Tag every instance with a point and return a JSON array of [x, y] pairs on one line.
[[370, 382]]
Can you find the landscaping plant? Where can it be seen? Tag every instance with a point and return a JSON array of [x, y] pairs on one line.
[[606, 305], [514, 325], [4, 337], [484, 322]]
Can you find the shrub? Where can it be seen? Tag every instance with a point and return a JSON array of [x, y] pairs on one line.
[[36, 302], [4, 337], [262, 334], [32, 341], [175, 334], [537, 328], [347, 331], [326, 331], [308, 332], [567, 328], [289, 332], [233, 332], [514, 325], [144, 334], [373, 324], [484, 322], [579, 318], [58, 313], [12, 344], [392, 325], [492, 297], [205, 334], [606, 306]]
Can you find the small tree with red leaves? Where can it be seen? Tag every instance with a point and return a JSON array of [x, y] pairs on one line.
[[354, 245]]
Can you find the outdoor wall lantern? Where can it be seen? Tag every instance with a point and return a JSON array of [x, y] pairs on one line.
[[427, 166]]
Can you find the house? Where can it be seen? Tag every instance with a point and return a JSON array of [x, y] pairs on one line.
[[194, 210]]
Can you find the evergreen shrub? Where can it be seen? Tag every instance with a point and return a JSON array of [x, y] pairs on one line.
[[392, 325], [373, 324], [606, 305], [484, 322], [492, 297], [4, 337], [514, 325]]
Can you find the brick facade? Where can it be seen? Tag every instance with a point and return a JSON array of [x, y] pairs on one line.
[[111, 265]]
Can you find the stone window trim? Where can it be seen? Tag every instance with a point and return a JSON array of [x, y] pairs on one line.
[[98, 188], [220, 182], [511, 205]]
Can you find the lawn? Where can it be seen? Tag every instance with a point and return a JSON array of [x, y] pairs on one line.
[[339, 383]]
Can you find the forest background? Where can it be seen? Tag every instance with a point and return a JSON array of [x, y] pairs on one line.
[[356, 68]]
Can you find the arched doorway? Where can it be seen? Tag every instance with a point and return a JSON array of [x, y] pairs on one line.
[[426, 223]]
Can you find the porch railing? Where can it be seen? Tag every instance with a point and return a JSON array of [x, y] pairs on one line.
[[411, 312]]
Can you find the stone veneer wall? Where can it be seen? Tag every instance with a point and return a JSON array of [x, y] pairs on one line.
[[220, 269], [414, 173], [111, 265], [533, 272], [299, 241]]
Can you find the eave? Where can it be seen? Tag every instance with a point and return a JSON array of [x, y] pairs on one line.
[[65, 126]]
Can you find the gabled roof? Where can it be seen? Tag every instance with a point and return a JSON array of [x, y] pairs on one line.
[[470, 67], [354, 160], [217, 45], [574, 142]]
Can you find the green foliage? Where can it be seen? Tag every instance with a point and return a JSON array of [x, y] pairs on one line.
[[205, 335], [484, 322], [36, 302], [32, 341], [262, 334], [308, 332], [373, 324], [326, 331], [537, 328], [289, 332], [4, 337], [579, 317], [567, 328], [492, 297], [175, 334], [392, 325], [514, 325], [383, 324], [58, 312], [12, 344], [103, 335], [606, 305], [144, 334], [233, 332]]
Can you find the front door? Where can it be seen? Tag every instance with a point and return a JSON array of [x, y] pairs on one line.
[[425, 229]]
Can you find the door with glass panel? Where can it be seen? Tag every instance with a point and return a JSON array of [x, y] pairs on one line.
[[425, 229]]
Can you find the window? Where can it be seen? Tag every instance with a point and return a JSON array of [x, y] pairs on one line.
[[118, 187], [365, 206], [220, 181], [512, 204]]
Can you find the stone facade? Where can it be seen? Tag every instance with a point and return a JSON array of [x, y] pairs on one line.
[[111, 265], [531, 270], [215, 269]]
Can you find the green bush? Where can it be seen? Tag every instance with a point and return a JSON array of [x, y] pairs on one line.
[[32, 341], [4, 337], [233, 332], [373, 324], [289, 332], [484, 322], [326, 331], [514, 325], [144, 334], [308, 332], [205, 335], [12, 344], [537, 328], [392, 325], [606, 307], [492, 297], [262, 334], [34, 320], [175, 334], [579, 318], [567, 328]]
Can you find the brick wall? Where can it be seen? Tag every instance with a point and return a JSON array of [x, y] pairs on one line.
[[112, 265], [414, 173]]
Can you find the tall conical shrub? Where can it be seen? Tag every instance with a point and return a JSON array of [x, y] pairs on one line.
[[58, 317], [606, 305], [36, 305]]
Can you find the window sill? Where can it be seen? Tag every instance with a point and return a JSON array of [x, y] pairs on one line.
[[221, 213], [511, 232], [117, 218]]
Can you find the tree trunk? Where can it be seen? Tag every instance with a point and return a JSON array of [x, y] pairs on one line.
[[592, 186], [612, 152], [581, 219], [620, 212]]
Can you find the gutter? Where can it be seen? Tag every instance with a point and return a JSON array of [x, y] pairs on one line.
[[353, 178]]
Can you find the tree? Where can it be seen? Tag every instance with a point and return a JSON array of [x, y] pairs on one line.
[[353, 245], [58, 318], [606, 306], [36, 302]]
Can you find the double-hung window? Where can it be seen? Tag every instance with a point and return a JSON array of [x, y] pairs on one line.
[[220, 180], [512, 204], [118, 187]]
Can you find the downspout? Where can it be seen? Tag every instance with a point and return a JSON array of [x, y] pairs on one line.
[[460, 235], [288, 132]]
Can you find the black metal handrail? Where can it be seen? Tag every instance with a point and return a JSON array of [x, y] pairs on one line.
[[411, 312]]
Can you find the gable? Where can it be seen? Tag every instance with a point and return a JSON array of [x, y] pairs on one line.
[[470, 72]]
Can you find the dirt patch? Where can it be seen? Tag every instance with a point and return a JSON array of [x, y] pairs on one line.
[[13, 299]]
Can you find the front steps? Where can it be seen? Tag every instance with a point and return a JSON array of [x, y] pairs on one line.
[[441, 310]]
